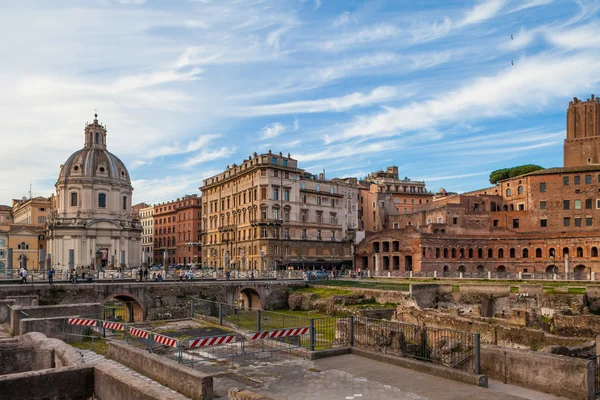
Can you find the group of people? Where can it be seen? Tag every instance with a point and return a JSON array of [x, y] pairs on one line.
[[187, 275]]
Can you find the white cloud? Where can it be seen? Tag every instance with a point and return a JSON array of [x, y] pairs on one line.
[[531, 3], [335, 104], [581, 37], [170, 150], [197, 24], [374, 33], [530, 83], [272, 130], [425, 32], [209, 155], [341, 20], [132, 1], [483, 11], [273, 38]]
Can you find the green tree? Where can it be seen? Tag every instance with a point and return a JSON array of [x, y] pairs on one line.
[[506, 173]]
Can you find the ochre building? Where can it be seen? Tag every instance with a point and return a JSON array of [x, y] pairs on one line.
[[267, 213]]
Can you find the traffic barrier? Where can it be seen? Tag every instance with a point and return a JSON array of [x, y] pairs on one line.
[[167, 341], [82, 321], [139, 333], [210, 341], [113, 325], [279, 333]]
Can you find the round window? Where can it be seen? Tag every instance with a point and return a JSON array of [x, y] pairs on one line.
[[76, 168], [101, 169]]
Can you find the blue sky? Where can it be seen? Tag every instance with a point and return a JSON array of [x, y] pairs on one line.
[[188, 87]]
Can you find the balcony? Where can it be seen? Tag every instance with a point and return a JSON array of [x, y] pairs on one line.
[[227, 228], [266, 221]]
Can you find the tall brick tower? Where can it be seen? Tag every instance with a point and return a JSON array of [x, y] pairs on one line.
[[582, 145]]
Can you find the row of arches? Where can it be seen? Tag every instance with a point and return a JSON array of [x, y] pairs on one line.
[[579, 270], [445, 252]]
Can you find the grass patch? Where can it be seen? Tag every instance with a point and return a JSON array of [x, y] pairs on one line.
[[322, 292], [514, 289], [365, 284], [576, 290], [98, 346]]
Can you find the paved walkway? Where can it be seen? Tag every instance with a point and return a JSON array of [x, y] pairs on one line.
[[350, 377]]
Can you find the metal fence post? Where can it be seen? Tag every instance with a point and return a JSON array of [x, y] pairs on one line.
[[352, 330], [150, 340], [180, 358], [477, 354], [312, 334], [220, 314], [193, 307], [258, 320]]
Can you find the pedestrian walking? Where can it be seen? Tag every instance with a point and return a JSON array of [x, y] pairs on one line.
[[51, 275], [146, 274], [141, 273], [23, 275], [181, 276]]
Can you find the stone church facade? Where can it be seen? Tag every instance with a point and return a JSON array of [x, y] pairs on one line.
[[91, 224]]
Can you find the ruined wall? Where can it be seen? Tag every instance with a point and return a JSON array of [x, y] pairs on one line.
[[549, 373], [576, 325]]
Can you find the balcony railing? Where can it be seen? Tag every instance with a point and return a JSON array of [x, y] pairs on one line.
[[266, 221]]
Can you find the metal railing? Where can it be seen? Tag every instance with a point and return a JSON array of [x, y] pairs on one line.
[[484, 275], [446, 347]]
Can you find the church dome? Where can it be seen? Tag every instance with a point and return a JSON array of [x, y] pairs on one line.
[[94, 161]]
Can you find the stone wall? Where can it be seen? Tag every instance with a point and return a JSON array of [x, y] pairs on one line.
[[559, 375], [189, 382], [16, 358], [69, 383], [237, 394], [91, 310], [429, 295], [492, 331], [576, 325]]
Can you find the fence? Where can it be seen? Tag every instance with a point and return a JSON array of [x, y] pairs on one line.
[[570, 276], [446, 347]]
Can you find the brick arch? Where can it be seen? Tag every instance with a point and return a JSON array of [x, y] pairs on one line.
[[249, 297], [134, 306]]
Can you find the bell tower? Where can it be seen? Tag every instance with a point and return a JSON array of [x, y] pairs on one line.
[[582, 145]]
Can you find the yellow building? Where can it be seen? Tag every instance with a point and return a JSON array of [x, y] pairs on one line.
[[26, 247], [30, 211]]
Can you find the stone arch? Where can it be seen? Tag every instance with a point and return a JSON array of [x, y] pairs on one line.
[[550, 269], [501, 269], [461, 268], [249, 298], [134, 309], [580, 272]]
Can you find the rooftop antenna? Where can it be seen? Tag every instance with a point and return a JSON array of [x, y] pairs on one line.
[[30, 191]]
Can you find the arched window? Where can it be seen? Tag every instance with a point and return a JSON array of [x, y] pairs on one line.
[[453, 253], [461, 253], [445, 253], [594, 252], [525, 253], [507, 192], [500, 253], [520, 190], [565, 251], [490, 253], [538, 253], [101, 200], [437, 252], [124, 202], [512, 253], [470, 253], [479, 253], [74, 199], [579, 252]]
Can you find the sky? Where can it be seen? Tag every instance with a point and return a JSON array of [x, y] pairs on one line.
[[446, 90]]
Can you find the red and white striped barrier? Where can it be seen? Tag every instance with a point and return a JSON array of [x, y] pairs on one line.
[[279, 333], [139, 333], [82, 321], [211, 341], [167, 341], [113, 325]]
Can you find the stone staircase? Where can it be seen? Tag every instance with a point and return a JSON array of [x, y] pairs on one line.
[[90, 357]]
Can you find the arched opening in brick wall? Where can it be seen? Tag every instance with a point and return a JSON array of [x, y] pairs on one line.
[[250, 299], [461, 268], [501, 270], [123, 307], [580, 272], [551, 269]]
